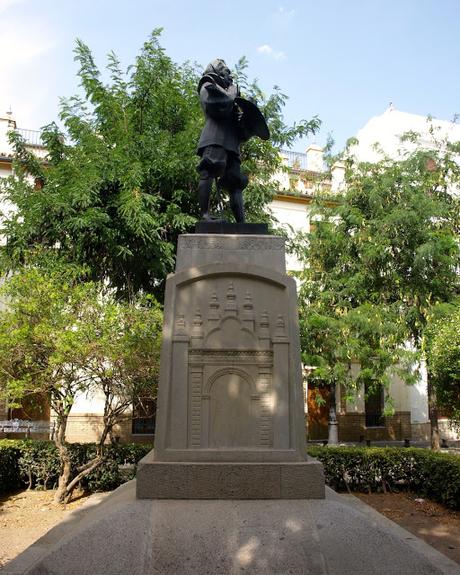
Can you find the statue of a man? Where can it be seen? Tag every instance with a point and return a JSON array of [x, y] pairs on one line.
[[225, 129]]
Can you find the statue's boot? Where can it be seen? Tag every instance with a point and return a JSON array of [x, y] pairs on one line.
[[236, 203], [204, 194]]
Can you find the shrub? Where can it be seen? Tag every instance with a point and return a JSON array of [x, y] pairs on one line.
[[10, 478], [39, 464], [429, 474], [120, 462], [36, 464]]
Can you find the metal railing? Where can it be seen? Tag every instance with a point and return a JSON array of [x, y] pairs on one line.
[[31, 137], [26, 426], [295, 160]]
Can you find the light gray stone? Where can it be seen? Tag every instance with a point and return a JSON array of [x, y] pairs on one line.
[[230, 387], [335, 536], [202, 249], [194, 480]]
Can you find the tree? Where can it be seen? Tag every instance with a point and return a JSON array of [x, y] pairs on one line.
[[123, 343], [119, 184], [60, 338], [443, 352], [381, 255]]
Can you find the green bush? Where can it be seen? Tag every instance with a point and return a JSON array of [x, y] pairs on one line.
[[36, 464], [432, 475], [119, 466], [10, 477], [39, 464]]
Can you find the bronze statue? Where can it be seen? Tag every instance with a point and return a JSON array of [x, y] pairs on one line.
[[230, 120]]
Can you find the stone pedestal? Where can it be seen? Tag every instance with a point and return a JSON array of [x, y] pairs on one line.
[[230, 421]]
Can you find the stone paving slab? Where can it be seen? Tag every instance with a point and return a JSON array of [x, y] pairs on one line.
[[338, 535]]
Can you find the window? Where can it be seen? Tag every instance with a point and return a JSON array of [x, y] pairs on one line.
[[144, 416]]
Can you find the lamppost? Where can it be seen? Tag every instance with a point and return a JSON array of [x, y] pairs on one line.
[[332, 428]]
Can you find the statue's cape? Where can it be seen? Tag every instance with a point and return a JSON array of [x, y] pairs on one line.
[[252, 120]]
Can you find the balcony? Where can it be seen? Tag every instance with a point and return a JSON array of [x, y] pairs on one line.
[[295, 160], [31, 137]]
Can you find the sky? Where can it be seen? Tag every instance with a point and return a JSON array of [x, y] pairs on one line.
[[343, 60]]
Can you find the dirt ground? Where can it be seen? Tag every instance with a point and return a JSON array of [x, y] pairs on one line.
[[438, 526], [26, 516]]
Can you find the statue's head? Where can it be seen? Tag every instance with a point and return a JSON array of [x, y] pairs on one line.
[[220, 69]]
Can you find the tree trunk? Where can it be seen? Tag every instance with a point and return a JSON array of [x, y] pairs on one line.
[[433, 414], [83, 472], [90, 466], [64, 455]]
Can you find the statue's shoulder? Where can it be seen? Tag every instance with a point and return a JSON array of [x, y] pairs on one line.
[[207, 79]]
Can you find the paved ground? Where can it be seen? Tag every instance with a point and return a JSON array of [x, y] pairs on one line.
[[435, 524], [28, 515], [336, 536]]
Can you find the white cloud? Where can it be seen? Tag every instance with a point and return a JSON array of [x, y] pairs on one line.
[[5, 4], [265, 49], [269, 51]]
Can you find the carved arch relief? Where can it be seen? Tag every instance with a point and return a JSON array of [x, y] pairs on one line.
[[230, 334], [233, 410]]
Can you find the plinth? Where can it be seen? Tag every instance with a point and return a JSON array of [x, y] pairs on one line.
[[230, 421]]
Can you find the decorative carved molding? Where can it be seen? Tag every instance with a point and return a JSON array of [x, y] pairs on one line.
[[197, 330], [231, 243], [179, 328], [196, 376], [251, 353], [245, 376], [280, 330], [214, 315], [231, 307]]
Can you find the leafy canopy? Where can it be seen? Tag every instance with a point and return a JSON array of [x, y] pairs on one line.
[[443, 352], [60, 337], [377, 259], [119, 184]]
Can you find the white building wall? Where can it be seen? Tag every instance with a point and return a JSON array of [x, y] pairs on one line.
[[384, 133], [294, 217], [380, 136]]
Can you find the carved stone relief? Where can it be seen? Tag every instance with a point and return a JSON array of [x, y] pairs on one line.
[[230, 370]]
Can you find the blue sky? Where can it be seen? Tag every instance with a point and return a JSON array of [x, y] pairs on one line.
[[344, 60]]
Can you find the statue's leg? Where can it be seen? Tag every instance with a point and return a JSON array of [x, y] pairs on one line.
[[204, 193], [235, 181], [212, 166], [237, 205]]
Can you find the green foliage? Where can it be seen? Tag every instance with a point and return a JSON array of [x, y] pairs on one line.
[[36, 464], [432, 475], [41, 344], [120, 184], [120, 462], [10, 479], [60, 337], [379, 257], [443, 353], [39, 464]]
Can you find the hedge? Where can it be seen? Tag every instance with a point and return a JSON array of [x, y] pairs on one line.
[[29, 463], [426, 473], [10, 477], [35, 464]]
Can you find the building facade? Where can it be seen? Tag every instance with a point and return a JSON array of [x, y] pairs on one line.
[[358, 420]]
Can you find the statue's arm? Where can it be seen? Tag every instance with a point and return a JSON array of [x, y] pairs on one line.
[[217, 102]]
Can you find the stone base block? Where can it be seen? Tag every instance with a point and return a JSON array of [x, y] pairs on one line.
[[223, 227], [238, 480]]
